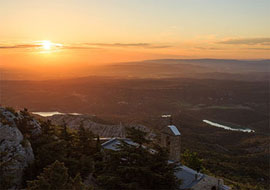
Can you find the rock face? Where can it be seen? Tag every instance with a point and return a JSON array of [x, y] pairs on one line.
[[103, 130], [15, 151]]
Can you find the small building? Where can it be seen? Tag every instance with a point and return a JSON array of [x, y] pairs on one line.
[[171, 139]]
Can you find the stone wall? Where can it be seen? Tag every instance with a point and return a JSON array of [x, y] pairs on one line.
[[209, 183], [175, 148], [173, 143]]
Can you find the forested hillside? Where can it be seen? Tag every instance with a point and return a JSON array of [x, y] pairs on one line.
[[73, 159]]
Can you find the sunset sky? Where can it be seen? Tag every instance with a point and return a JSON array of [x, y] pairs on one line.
[[104, 31]]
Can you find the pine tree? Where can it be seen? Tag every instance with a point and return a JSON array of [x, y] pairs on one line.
[[135, 167], [65, 134], [47, 128], [55, 177], [86, 141], [137, 136], [77, 184]]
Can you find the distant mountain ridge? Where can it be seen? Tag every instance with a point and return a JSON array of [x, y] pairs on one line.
[[244, 65], [159, 68]]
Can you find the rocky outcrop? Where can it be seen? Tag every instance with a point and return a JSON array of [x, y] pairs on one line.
[[103, 130], [15, 150]]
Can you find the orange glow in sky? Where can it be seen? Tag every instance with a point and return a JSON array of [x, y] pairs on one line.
[[97, 32]]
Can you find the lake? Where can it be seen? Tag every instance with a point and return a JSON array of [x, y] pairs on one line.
[[227, 127], [48, 114]]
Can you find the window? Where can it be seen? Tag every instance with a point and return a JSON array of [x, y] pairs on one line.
[[168, 142]]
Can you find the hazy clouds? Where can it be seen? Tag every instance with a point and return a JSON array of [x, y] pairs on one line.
[[247, 41], [90, 46], [19, 46]]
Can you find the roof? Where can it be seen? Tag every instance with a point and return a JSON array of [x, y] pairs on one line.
[[113, 143], [225, 187], [188, 176], [174, 130]]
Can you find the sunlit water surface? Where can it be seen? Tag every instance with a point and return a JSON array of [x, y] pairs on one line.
[[48, 114], [227, 128]]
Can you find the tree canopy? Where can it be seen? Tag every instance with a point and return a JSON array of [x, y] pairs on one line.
[[192, 160], [56, 176], [64, 158], [136, 167]]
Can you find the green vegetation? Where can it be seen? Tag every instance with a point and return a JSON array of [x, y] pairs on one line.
[[192, 160], [77, 150], [55, 176], [241, 159], [24, 124], [5, 179], [69, 159], [135, 167], [12, 110]]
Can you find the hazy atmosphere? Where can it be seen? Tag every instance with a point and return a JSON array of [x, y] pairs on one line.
[[134, 94], [60, 36]]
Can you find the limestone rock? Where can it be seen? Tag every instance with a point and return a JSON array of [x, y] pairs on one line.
[[15, 151], [103, 130]]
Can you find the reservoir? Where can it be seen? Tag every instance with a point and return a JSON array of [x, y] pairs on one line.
[[227, 128], [48, 114]]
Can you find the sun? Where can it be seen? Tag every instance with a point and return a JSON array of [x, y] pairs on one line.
[[47, 45]]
